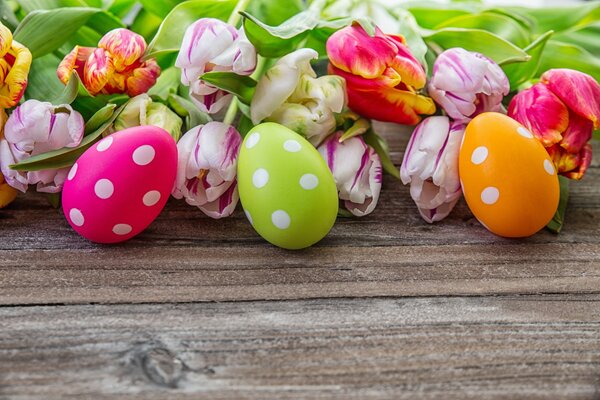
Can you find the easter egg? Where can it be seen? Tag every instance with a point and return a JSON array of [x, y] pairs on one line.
[[287, 191], [120, 184], [509, 182]]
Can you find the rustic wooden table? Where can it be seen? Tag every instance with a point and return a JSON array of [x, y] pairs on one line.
[[385, 307]]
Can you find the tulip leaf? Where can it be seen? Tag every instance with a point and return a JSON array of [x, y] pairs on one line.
[[67, 156], [410, 30], [478, 40], [43, 84], [99, 118], [501, 25], [186, 109], [380, 146], [565, 55], [430, 15], [520, 73], [170, 34], [44, 31], [559, 218], [241, 86], [159, 8], [275, 12], [166, 84], [560, 19], [587, 38], [73, 89]]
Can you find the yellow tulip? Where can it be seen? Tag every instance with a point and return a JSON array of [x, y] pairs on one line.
[[15, 61]]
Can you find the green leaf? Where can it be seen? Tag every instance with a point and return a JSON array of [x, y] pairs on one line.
[[275, 12], [99, 118], [244, 125], [67, 156], [166, 84], [44, 31], [587, 38], [170, 34], [186, 109], [430, 15], [500, 25], [520, 73], [381, 147], [565, 55], [561, 19], [7, 15], [410, 30], [484, 42], [43, 83], [73, 89], [160, 8], [241, 86], [559, 218]]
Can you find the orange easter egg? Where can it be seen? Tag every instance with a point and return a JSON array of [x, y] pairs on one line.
[[509, 182]]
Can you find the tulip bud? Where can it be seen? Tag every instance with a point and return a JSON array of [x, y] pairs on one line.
[[357, 171], [207, 168], [562, 111], [290, 94], [430, 166], [141, 110], [213, 45], [382, 76], [15, 61], [36, 128], [466, 84]]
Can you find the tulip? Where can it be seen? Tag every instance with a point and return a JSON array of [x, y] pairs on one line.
[[15, 61], [7, 193], [382, 76], [116, 66], [207, 168], [356, 168], [141, 110], [35, 128], [430, 166], [466, 84], [213, 45], [291, 94], [562, 111]]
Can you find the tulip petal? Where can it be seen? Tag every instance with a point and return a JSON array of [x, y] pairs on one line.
[[98, 70], [141, 79], [571, 165], [225, 205], [578, 133], [15, 79], [74, 61], [124, 46], [541, 112], [579, 91], [407, 65], [6, 39]]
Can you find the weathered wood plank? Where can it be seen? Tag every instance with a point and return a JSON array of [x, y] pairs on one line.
[[185, 256], [534, 347]]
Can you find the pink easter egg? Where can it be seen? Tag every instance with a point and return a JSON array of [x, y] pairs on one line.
[[120, 184]]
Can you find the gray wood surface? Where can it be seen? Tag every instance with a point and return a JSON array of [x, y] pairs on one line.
[[385, 307]]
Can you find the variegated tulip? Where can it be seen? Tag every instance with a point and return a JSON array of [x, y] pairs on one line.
[[15, 61], [430, 166], [466, 84], [382, 76], [35, 128], [141, 110], [213, 45], [357, 171], [562, 111], [291, 94], [7, 192], [116, 66], [207, 168]]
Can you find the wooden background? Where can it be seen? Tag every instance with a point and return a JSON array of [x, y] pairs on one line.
[[385, 307]]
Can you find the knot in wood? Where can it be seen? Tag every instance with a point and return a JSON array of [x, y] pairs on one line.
[[162, 367]]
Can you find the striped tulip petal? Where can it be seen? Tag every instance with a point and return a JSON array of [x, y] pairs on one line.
[[124, 46], [98, 70]]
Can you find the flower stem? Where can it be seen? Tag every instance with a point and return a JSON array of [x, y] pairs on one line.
[[235, 16]]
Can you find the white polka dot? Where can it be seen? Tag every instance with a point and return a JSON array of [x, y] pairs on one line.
[[292, 146], [490, 195], [309, 181], [252, 140], [281, 219], [76, 217], [144, 155], [122, 229], [524, 132], [549, 167], [479, 155], [104, 189], [249, 216], [260, 178], [104, 144], [151, 198], [72, 172]]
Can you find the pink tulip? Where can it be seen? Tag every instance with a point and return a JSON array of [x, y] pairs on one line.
[[466, 84], [562, 111], [207, 168], [356, 168], [213, 45], [430, 166], [36, 128]]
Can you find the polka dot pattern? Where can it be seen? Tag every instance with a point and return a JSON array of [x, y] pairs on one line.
[[281, 219], [292, 146], [76, 217], [479, 155], [309, 181], [144, 155], [524, 132], [249, 216], [104, 144], [72, 172], [260, 178], [490, 195], [151, 198], [122, 229], [252, 140], [104, 189], [549, 167]]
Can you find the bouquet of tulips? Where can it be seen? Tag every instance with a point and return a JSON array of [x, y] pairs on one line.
[[208, 71]]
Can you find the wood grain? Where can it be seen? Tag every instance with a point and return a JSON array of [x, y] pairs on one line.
[[530, 347]]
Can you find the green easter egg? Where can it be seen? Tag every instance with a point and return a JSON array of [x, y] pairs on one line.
[[286, 189]]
